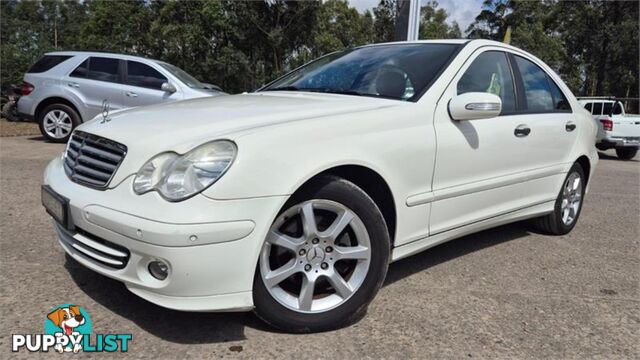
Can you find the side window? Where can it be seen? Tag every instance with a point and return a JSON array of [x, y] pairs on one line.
[[597, 108], [559, 100], [82, 70], [490, 73], [48, 62], [139, 74], [606, 108], [589, 107], [103, 69], [536, 87]]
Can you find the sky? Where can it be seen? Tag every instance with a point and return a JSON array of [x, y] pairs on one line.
[[462, 11]]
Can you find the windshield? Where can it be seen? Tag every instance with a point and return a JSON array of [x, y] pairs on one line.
[[183, 76], [398, 71]]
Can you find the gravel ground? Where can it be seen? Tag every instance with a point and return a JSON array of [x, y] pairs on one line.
[[502, 293], [10, 128]]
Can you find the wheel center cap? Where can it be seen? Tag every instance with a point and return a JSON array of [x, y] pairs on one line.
[[315, 255]]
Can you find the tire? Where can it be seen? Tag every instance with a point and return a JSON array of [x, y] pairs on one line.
[[626, 153], [563, 218], [57, 121], [282, 303]]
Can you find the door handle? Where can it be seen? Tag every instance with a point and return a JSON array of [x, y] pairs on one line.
[[73, 84], [131, 94], [570, 126], [522, 130]]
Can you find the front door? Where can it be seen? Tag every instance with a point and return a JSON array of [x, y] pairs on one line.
[[143, 85], [479, 161]]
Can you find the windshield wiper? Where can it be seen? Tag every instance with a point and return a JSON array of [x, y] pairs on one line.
[[285, 88], [341, 91]]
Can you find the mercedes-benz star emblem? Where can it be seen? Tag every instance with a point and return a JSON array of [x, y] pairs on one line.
[[105, 111]]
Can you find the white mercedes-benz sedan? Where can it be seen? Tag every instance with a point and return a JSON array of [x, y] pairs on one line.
[[293, 200]]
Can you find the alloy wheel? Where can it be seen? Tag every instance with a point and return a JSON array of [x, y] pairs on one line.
[[571, 198], [316, 256], [57, 124]]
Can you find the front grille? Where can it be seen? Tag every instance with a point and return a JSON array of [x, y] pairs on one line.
[[94, 248], [92, 160]]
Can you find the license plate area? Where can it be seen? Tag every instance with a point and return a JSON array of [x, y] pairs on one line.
[[57, 206]]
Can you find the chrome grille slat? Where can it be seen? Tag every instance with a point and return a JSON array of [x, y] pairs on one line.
[[94, 248], [92, 160], [102, 165], [91, 172], [101, 153]]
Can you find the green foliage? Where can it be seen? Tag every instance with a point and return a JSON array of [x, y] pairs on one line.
[[433, 23], [240, 45], [593, 45]]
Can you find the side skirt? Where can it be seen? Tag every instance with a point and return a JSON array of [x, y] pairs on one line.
[[420, 245]]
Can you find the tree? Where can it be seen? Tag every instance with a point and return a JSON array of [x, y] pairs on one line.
[[433, 23], [385, 20], [339, 27]]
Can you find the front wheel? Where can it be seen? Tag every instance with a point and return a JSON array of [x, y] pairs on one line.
[[324, 259], [57, 121], [568, 204], [626, 153]]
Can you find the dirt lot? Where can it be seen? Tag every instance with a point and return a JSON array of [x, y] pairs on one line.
[[503, 293], [8, 128]]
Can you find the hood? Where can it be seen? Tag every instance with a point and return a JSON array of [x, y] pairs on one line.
[[182, 125]]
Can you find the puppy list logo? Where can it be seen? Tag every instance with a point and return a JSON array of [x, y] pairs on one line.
[[67, 329]]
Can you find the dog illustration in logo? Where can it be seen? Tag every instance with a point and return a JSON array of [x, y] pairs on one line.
[[67, 319]]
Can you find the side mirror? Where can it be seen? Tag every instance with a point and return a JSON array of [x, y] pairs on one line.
[[475, 105], [168, 87]]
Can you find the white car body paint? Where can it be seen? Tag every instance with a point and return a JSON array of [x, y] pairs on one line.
[[448, 178]]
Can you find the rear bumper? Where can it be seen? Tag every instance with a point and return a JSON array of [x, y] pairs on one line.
[[26, 108], [618, 142]]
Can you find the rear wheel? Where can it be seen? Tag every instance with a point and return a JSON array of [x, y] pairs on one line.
[[57, 121], [626, 153], [324, 259], [568, 204]]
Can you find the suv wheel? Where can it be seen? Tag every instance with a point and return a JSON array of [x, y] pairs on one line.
[[626, 153], [324, 259], [57, 121]]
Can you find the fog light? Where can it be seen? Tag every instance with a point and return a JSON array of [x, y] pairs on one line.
[[158, 270]]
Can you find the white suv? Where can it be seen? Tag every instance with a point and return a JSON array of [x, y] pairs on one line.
[[64, 89]]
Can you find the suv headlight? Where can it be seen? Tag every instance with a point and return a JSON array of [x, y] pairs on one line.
[[177, 177]]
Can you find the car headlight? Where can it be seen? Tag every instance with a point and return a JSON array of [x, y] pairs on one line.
[[177, 177]]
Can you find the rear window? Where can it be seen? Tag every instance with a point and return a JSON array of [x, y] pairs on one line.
[[47, 62], [617, 109], [606, 110]]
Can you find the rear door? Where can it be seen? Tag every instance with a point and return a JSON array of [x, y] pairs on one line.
[[143, 85], [95, 80], [546, 111]]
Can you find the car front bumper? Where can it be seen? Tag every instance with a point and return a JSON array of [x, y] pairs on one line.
[[211, 247]]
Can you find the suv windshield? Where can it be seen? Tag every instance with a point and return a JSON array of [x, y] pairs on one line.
[[183, 76], [398, 71]]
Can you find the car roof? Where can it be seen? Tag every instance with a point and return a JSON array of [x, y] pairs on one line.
[[476, 42], [102, 54]]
